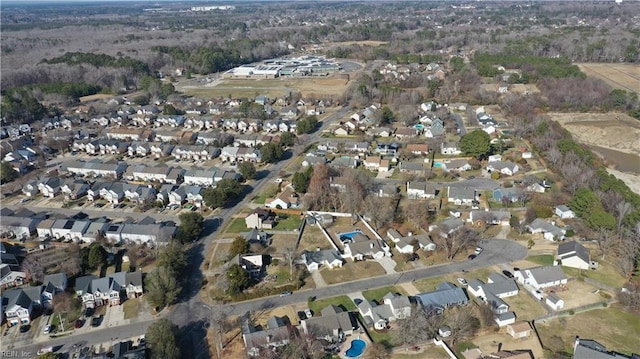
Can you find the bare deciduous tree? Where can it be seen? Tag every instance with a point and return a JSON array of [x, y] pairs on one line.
[[454, 243], [32, 267]]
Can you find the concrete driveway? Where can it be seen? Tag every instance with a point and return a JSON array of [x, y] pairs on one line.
[[388, 264]]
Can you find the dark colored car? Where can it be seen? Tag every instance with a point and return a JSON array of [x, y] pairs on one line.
[[79, 323], [96, 321], [89, 312], [24, 328], [507, 274], [472, 256]]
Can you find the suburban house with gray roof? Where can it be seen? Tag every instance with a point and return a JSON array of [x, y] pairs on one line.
[[548, 230], [53, 284], [333, 325], [329, 258], [493, 291], [573, 254], [362, 247], [445, 295], [564, 212], [392, 308], [591, 349], [17, 306], [541, 277], [277, 334], [461, 195]]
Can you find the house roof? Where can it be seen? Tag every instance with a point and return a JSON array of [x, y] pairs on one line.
[[15, 297], [502, 287], [520, 327], [59, 280], [563, 208], [329, 255], [553, 298], [546, 274], [446, 294], [573, 248], [590, 349], [332, 318], [134, 278], [83, 283], [462, 192]]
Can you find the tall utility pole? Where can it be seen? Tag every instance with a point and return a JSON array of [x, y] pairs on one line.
[[61, 323]]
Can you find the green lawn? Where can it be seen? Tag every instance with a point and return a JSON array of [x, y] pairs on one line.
[[605, 274], [388, 339], [352, 271], [612, 327], [525, 306], [543, 259], [462, 346], [237, 225], [131, 308], [317, 305], [377, 294], [288, 222]]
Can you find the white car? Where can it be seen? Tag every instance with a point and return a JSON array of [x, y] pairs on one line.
[[478, 250], [47, 329], [45, 351], [462, 281], [308, 313]]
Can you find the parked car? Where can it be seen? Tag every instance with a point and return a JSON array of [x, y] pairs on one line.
[[507, 274], [308, 313], [96, 321], [45, 351], [478, 250], [462, 281], [79, 323], [285, 293], [89, 312], [25, 328], [47, 329], [472, 257]]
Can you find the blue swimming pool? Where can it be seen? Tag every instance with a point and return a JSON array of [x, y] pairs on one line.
[[356, 349], [349, 235], [437, 164]]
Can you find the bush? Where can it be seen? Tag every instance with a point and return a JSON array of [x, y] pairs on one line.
[[572, 312], [275, 261]]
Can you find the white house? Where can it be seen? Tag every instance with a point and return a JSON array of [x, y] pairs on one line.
[[372, 248], [541, 277], [564, 212], [555, 302], [450, 148], [548, 230], [573, 254], [506, 168], [329, 258]]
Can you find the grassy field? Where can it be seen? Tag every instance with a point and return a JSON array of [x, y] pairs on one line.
[[131, 308], [431, 352], [237, 225], [342, 301], [287, 222], [622, 76], [313, 238], [271, 88], [352, 271], [614, 328], [377, 294], [543, 259], [525, 306]]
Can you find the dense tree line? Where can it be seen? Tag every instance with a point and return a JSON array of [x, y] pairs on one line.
[[99, 60]]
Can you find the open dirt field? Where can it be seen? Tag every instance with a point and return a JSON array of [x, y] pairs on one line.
[[613, 135], [622, 76], [99, 96], [272, 88], [488, 343]]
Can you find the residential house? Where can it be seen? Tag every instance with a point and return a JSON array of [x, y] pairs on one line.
[[68, 229], [445, 295], [44, 229], [564, 212], [52, 285], [73, 190], [591, 349], [17, 306], [94, 231], [254, 264], [519, 330], [447, 226], [381, 131], [125, 133], [9, 277], [413, 167], [573, 254], [97, 168], [456, 165], [490, 217], [160, 150], [260, 219], [364, 247], [151, 234], [134, 285], [333, 325], [555, 302], [422, 190], [277, 334], [329, 258], [50, 186], [498, 287], [30, 189], [548, 230], [435, 130], [404, 133], [418, 149], [506, 168], [461, 195], [392, 308], [541, 277], [256, 236], [389, 149], [510, 194], [201, 177], [284, 200], [18, 227], [345, 162]]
